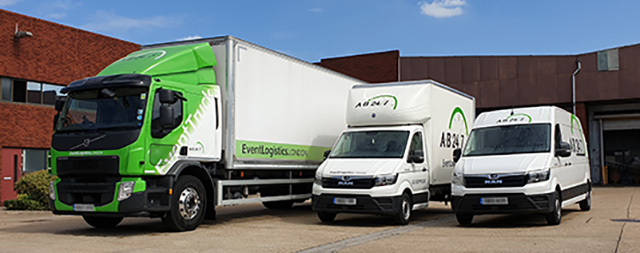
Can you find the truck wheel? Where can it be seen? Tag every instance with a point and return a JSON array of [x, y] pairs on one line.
[[555, 217], [585, 205], [188, 204], [464, 219], [102, 222], [404, 210], [326, 217]]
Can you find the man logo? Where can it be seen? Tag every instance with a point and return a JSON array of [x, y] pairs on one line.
[[346, 181]]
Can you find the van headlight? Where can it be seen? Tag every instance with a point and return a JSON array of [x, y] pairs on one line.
[[383, 180], [538, 176], [318, 179], [125, 190], [457, 178]]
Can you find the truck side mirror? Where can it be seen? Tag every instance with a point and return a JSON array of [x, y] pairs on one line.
[[564, 150], [168, 96], [416, 156], [166, 117], [326, 154], [456, 154], [59, 103]]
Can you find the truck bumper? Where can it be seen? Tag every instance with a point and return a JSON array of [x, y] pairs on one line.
[[363, 204], [517, 203], [151, 198]]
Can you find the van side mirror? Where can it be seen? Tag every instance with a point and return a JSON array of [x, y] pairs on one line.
[[564, 150], [457, 153], [415, 156], [326, 154]]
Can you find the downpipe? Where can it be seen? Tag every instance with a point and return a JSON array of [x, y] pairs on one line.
[[573, 85]]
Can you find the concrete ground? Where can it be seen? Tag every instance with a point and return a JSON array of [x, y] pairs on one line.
[[612, 225]]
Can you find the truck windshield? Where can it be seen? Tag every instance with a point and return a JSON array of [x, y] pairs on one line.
[[512, 139], [100, 109], [371, 144]]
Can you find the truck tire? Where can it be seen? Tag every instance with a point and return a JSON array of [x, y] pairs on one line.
[[404, 210], [555, 216], [188, 205], [326, 216], [102, 222], [585, 205], [464, 219]]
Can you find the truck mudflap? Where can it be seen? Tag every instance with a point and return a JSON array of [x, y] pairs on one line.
[[333, 203], [502, 203]]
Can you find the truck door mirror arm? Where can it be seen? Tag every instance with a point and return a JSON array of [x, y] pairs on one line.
[[415, 157], [564, 150], [326, 154]]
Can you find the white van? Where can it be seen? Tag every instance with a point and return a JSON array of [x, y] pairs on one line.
[[396, 154], [523, 160]]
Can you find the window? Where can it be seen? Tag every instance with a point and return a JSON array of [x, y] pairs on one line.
[[6, 89], [416, 145], [34, 160], [558, 139], [30, 92]]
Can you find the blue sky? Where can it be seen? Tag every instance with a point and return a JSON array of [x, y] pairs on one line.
[[316, 29]]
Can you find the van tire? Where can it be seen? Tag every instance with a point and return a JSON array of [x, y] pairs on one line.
[[405, 206], [268, 191], [555, 216], [585, 205], [188, 205], [278, 205], [326, 216], [464, 219], [102, 222]]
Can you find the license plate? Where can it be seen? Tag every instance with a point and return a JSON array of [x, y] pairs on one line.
[[494, 201], [83, 207], [344, 201]]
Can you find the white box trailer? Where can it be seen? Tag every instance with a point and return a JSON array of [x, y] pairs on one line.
[[214, 122], [397, 153]]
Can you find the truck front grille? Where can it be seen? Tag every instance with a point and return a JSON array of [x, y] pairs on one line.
[[97, 191], [88, 165]]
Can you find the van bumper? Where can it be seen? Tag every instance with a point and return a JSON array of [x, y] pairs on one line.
[[364, 204], [517, 203]]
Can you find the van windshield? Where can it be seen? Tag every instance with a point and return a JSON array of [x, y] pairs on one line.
[[512, 139], [371, 144]]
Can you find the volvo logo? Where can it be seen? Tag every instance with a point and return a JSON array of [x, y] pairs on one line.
[[86, 142]]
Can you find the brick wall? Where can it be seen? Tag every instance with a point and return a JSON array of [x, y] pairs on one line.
[[373, 68]]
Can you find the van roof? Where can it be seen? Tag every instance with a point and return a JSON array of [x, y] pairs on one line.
[[525, 115]]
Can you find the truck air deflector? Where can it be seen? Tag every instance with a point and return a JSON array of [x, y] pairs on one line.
[[112, 81]]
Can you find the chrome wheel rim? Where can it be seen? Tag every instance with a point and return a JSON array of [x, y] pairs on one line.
[[189, 203]]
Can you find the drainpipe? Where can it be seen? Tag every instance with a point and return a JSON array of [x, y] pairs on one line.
[[573, 84]]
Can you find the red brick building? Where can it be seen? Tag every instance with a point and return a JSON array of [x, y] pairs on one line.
[[34, 66], [607, 92]]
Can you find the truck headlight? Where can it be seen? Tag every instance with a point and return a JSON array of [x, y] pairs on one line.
[[386, 180], [457, 178], [52, 190], [538, 176], [125, 190]]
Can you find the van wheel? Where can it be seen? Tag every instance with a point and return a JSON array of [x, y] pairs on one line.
[[555, 216], [102, 222], [404, 210], [326, 217], [585, 205], [188, 205], [464, 219], [268, 191]]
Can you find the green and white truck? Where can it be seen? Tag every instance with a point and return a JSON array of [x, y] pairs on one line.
[[176, 129]]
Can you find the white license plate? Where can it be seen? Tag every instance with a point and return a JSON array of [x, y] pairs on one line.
[[344, 201], [84, 208], [494, 201]]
